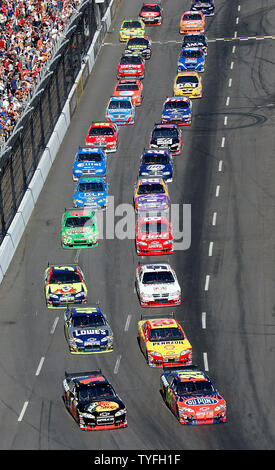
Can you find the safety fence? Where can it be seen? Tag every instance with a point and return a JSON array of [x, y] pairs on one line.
[[21, 153]]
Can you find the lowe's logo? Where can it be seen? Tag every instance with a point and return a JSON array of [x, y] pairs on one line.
[[201, 401]]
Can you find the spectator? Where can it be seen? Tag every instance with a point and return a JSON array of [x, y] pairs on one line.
[[28, 30]]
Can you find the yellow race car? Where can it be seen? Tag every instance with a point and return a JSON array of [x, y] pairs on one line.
[[64, 285], [163, 342], [188, 84], [151, 194], [131, 28]]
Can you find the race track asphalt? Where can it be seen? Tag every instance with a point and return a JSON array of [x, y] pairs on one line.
[[226, 173]]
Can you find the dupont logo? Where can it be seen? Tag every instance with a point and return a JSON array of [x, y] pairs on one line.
[[201, 401]]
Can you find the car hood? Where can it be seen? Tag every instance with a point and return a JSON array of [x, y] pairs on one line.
[[63, 289], [86, 334], [110, 406]]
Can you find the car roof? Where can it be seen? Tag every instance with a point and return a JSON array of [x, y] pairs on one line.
[[79, 311]]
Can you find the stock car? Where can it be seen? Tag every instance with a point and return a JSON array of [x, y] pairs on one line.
[[120, 110], [93, 402], [188, 84], [141, 46], [156, 162], [192, 22], [166, 136], [177, 110], [87, 331], [104, 135], [91, 192], [130, 87], [195, 40], [151, 194], [131, 66], [79, 229], [89, 161], [64, 285], [192, 396], [151, 13], [154, 236], [192, 58], [207, 8], [130, 28], [157, 285], [163, 342]]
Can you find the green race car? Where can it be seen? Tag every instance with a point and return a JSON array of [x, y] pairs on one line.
[[79, 229]]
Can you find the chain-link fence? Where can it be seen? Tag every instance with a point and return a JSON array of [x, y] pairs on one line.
[[22, 152]]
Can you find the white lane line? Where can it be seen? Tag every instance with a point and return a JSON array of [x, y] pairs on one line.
[[237, 20], [232, 65], [214, 220], [220, 165], [225, 120], [227, 101], [233, 49], [54, 325], [230, 82], [117, 364], [203, 320], [23, 411], [76, 258], [239, 7], [210, 249], [223, 142], [126, 328], [205, 360], [235, 34], [218, 190], [40, 366], [207, 280]]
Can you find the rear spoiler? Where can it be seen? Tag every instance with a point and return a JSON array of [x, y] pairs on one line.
[[80, 375], [171, 368], [159, 317]]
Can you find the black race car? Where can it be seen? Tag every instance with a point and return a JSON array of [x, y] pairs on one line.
[[206, 7], [191, 40], [166, 136], [140, 46], [93, 402]]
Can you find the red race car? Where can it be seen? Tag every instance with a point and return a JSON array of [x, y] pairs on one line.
[[103, 134], [131, 66], [130, 87], [154, 236], [151, 13]]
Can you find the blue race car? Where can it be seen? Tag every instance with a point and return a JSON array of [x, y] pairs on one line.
[[207, 8], [156, 162], [89, 161], [177, 110], [120, 110], [192, 58], [91, 192]]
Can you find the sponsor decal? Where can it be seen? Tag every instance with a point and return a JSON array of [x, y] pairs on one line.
[[201, 401]]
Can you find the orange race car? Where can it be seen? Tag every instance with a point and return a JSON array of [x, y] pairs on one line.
[[192, 22], [130, 87]]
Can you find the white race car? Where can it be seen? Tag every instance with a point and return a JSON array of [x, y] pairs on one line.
[[157, 285]]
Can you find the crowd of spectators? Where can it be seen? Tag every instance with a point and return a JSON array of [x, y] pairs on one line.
[[28, 31]]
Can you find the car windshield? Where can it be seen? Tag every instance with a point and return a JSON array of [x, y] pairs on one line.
[[131, 25], [127, 87], [151, 8], [189, 53], [176, 105], [120, 104], [64, 277], [138, 42], [195, 387], [187, 79], [152, 188], [165, 334], [158, 277], [91, 320], [101, 131], [155, 159], [154, 227], [189, 17], [164, 133], [90, 187], [79, 222], [131, 59], [89, 157], [95, 392], [194, 38]]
